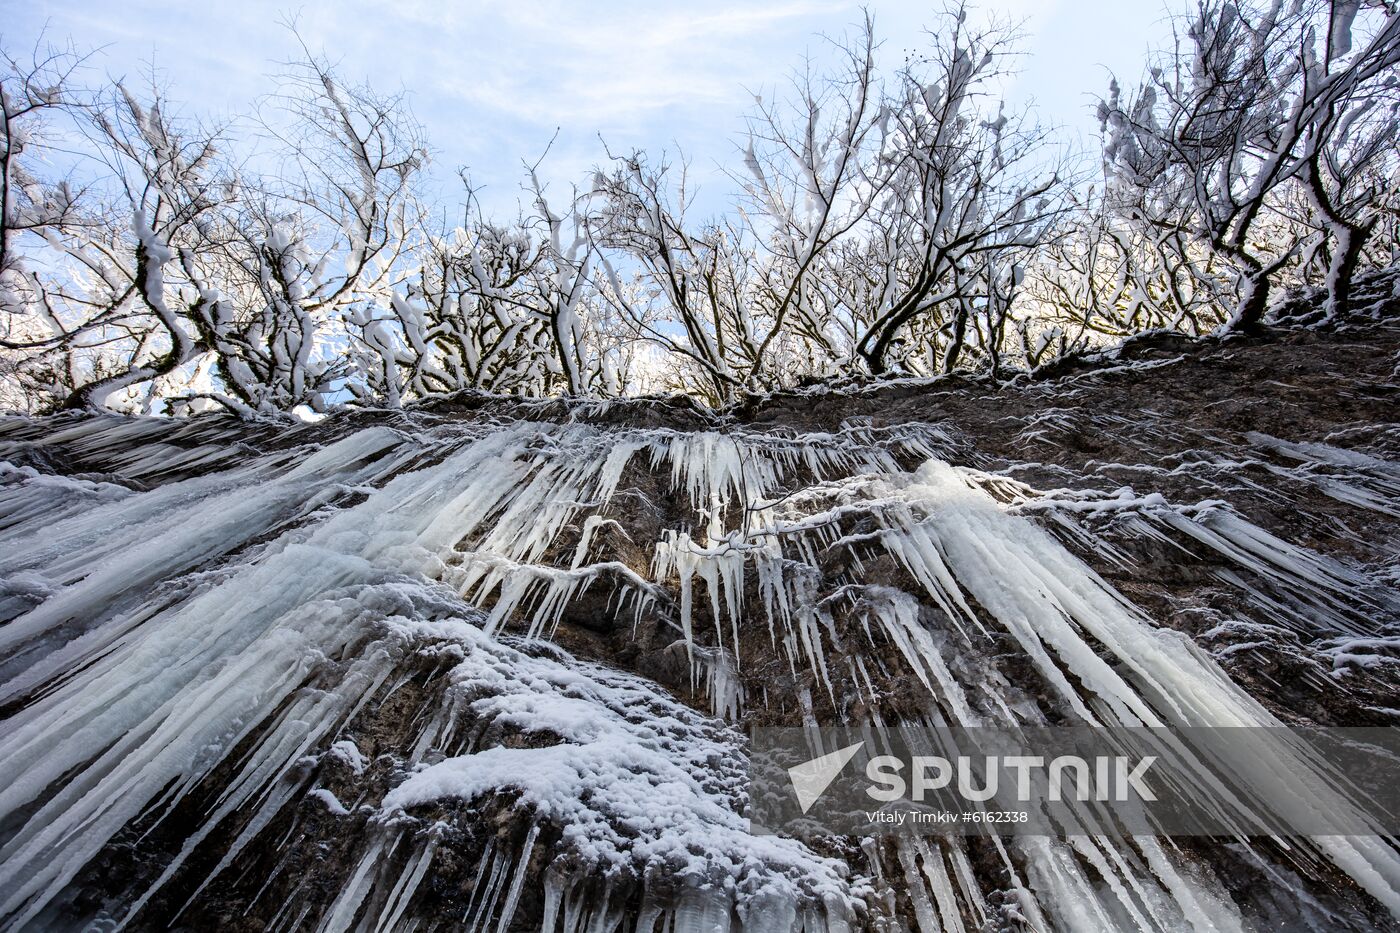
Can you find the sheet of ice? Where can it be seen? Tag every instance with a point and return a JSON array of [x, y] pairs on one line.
[[153, 630]]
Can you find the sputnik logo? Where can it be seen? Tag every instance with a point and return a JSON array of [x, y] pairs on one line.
[[811, 778]]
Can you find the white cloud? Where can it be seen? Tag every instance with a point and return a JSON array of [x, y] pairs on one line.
[[554, 63], [492, 80]]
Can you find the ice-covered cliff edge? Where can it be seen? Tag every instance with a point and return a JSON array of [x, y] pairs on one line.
[[485, 665]]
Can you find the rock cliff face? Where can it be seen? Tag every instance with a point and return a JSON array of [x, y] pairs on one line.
[[485, 664]]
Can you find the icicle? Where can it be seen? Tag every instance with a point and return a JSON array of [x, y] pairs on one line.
[[342, 913], [406, 886], [212, 601], [522, 868]]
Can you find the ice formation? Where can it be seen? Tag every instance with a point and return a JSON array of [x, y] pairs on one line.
[[227, 646]]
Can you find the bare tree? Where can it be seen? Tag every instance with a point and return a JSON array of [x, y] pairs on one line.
[[306, 246], [35, 93], [191, 265], [867, 203], [908, 222], [464, 320], [1349, 141], [966, 186], [1103, 275], [561, 283], [700, 276], [170, 184], [814, 169], [1253, 97]]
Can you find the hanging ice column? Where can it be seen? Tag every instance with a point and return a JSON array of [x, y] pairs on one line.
[[1059, 611], [158, 690], [267, 605], [131, 696], [965, 549]]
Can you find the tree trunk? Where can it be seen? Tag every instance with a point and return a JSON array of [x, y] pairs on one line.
[[875, 356], [1248, 316], [955, 345], [1342, 269]]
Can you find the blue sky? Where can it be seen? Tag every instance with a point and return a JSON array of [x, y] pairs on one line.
[[491, 81]]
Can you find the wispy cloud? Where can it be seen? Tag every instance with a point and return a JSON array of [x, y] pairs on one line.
[[492, 81], [554, 62]]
